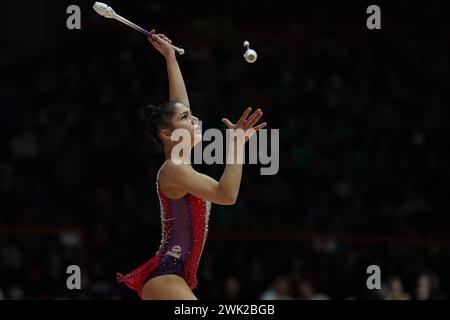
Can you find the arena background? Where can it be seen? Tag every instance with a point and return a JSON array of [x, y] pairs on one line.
[[363, 118]]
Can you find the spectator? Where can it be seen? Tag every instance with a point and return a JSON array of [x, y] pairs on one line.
[[395, 291], [278, 290]]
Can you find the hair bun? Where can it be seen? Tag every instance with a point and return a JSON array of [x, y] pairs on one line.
[[155, 118]]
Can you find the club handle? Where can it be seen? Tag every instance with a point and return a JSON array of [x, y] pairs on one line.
[[142, 30], [131, 24]]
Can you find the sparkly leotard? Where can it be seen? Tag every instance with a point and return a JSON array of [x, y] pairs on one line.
[[184, 224]]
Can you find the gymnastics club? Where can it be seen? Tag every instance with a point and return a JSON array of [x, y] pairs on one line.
[[108, 12]]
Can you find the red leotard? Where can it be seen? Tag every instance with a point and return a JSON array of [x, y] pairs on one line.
[[184, 224]]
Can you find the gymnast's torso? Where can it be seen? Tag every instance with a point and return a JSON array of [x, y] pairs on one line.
[[184, 225]]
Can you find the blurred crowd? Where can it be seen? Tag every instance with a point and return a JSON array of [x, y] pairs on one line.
[[362, 116]]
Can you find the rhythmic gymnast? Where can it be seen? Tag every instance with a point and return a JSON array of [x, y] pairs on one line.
[[185, 195]]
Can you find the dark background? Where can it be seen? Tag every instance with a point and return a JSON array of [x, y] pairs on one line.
[[363, 119]]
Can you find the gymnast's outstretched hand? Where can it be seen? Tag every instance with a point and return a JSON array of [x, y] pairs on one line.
[[247, 122]]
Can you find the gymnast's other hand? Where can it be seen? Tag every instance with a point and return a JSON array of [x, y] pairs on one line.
[[247, 122]]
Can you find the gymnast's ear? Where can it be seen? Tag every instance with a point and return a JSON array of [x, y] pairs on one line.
[[165, 134]]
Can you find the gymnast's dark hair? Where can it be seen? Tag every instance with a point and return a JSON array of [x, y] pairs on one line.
[[157, 118]]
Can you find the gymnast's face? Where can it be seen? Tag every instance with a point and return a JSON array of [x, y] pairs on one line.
[[183, 119]]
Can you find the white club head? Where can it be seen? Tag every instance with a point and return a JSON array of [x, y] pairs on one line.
[[104, 10], [250, 55]]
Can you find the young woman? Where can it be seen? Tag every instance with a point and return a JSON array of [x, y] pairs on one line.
[[185, 195]]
